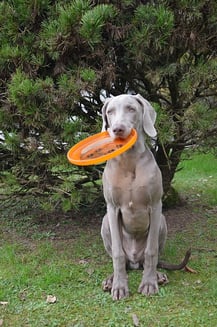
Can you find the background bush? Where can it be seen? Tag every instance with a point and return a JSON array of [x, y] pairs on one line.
[[60, 59]]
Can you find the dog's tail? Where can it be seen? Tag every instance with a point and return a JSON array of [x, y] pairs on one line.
[[181, 265]]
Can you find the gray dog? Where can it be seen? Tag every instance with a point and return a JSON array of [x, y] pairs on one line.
[[134, 229]]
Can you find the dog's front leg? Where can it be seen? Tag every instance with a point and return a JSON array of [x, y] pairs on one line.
[[149, 284], [120, 285]]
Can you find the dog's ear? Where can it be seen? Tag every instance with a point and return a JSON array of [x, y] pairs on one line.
[[149, 116], [105, 124]]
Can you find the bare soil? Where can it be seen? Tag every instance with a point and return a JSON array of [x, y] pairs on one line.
[[70, 225]]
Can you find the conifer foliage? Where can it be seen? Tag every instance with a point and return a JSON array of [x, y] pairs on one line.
[[59, 58]]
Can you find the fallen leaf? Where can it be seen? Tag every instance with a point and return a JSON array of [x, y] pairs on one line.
[[83, 262], [190, 270], [198, 282], [51, 299], [3, 302], [135, 320]]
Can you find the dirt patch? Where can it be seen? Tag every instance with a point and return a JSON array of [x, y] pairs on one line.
[[70, 226], [180, 217]]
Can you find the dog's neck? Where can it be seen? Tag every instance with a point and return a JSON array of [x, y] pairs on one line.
[[134, 153]]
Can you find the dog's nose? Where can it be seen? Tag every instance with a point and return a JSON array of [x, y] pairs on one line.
[[118, 130]]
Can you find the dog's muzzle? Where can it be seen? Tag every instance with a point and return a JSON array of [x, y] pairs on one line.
[[120, 130]]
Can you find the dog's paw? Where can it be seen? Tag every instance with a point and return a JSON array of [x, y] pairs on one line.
[[107, 283], [148, 287], [119, 290], [162, 279]]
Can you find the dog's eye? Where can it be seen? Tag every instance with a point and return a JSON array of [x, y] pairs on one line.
[[131, 109], [110, 112]]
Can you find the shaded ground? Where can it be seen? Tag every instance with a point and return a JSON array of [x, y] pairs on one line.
[[179, 217], [65, 227], [60, 226]]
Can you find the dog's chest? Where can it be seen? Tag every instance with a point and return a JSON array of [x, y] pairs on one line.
[[129, 192], [127, 188], [133, 187]]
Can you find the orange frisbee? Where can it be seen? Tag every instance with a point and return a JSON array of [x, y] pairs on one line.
[[98, 148]]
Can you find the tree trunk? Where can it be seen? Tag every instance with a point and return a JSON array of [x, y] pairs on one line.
[[168, 158]]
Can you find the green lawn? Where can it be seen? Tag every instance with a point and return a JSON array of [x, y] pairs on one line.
[[72, 266], [198, 178]]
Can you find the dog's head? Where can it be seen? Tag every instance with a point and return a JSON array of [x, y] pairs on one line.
[[122, 113]]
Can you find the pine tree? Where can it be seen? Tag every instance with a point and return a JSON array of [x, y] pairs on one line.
[[59, 58]]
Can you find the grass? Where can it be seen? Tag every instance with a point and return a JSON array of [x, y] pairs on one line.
[[71, 263], [198, 178]]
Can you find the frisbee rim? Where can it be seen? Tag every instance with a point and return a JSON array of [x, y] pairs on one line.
[[78, 147]]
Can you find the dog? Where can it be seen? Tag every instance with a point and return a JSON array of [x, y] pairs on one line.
[[134, 229]]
